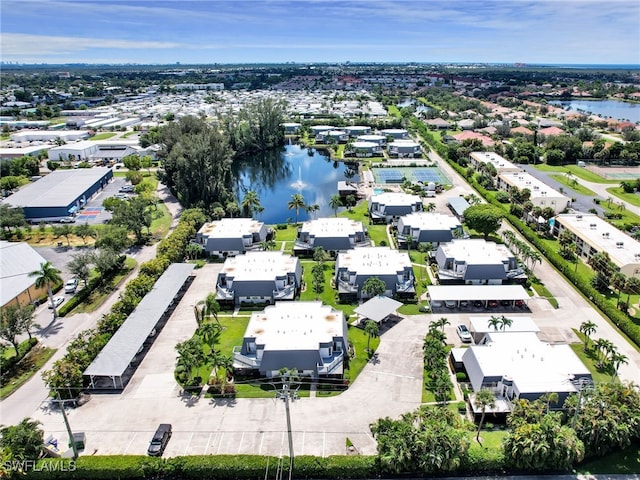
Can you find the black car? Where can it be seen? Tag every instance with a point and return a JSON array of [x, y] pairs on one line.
[[159, 440]]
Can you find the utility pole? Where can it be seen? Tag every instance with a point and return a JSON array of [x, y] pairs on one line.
[[287, 394], [74, 447]]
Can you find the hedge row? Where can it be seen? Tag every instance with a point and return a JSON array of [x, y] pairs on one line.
[[620, 319], [220, 467]]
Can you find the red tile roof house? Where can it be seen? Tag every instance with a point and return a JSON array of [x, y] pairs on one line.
[[551, 131], [486, 141]]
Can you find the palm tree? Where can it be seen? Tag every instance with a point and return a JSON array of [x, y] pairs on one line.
[[210, 333], [372, 330], [494, 322], [505, 322], [349, 173], [296, 203], [587, 328], [47, 275], [535, 257], [618, 281], [442, 322], [251, 203], [212, 307], [549, 398], [313, 209], [600, 345], [483, 399], [335, 202], [268, 244], [429, 207], [617, 360]]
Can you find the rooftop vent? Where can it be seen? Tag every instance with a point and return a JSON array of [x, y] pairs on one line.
[[579, 217], [605, 234], [619, 244], [592, 226]]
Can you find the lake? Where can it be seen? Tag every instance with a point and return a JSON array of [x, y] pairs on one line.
[[278, 174], [604, 108]]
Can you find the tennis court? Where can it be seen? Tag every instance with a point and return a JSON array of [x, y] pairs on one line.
[[414, 174]]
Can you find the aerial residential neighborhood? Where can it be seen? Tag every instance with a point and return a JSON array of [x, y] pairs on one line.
[[215, 261]]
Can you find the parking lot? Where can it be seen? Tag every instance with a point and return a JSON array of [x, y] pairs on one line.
[[93, 212]]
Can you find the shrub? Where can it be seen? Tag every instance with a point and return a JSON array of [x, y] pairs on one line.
[[461, 377]]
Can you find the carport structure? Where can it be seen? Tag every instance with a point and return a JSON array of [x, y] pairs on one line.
[[378, 308], [111, 369], [483, 293]]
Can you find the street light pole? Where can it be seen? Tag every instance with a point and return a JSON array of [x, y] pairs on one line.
[[74, 447]]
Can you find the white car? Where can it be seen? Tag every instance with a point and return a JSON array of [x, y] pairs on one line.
[[71, 286], [463, 333], [56, 302]]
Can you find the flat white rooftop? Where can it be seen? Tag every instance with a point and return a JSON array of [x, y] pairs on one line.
[[537, 187], [259, 266], [430, 221], [480, 324], [296, 325], [476, 250], [501, 164], [395, 199], [374, 261], [477, 292], [332, 227], [601, 235], [230, 227]]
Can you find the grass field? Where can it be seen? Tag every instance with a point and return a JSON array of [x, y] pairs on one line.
[[632, 198], [28, 366], [577, 171], [103, 136], [574, 185]]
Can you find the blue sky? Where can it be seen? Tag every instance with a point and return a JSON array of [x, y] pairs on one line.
[[244, 31]]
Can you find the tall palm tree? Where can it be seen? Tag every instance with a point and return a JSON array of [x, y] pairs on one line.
[[372, 330], [212, 307], [296, 203], [587, 328], [313, 210], [494, 322], [335, 202], [443, 322], [483, 399], [47, 275], [618, 281], [210, 334], [617, 360], [505, 322], [251, 203]]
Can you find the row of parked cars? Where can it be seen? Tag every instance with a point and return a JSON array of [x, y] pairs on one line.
[[477, 303]]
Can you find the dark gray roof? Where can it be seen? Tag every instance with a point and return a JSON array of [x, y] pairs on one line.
[[378, 308], [59, 188], [116, 355], [458, 204]]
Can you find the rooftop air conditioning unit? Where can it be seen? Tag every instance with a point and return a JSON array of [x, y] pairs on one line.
[[605, 234], [592, 226], [619, 244], [579, 217]]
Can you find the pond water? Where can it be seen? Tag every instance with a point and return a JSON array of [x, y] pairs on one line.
[[604, 108], [278, 174]]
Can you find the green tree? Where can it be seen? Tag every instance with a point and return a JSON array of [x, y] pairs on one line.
[[483, 218], [83, 231], [212, 308], [134, 215], [15, 320], [11, 217], [132, 162], [22, 441], [251, 203], [105, 261], [373, 286], [296, 203], [313, 209], [47, 276], [494, 322], [372, 331], [587, 328], [335, 202], [113, 237], [442, 322], [483, 399], [317, 279], [210, 334]]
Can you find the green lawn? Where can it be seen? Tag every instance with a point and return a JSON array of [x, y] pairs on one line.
[[160, 224], [544, 292], [103, 136], [378, 234], [288, 234], [128, 134], [394, 111], [625, 462], [589, 359], [26, 368], [631, 198], [358, 340], [574, 185], [579, 172]]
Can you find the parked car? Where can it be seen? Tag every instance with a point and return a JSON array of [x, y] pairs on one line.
[[464, 303], [67, 220], [56, 302], [121, 196], [159, 440], [436, 304], [71, 285], [505, 303], [478, 303], [492, 303], [520, 303], [126, 189], [463, 333], [450, 303]]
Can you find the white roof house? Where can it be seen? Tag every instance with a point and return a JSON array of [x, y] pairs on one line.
[[476, 262], [17, 260], [308, 336], [79, 151], [519, 365], [432, 227], [596, 235], [479, 326], [49, 135], [373, 138], [231, 236], [259, 277], [395, 133], [390, 206], [542, 195], [334, 234], [354, 267], [500, 163], [404, 149]]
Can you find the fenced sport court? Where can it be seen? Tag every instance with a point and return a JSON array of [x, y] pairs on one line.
[[419, 174]]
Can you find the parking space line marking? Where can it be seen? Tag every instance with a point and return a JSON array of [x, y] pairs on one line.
[[208, 443], [324, 442], [220, 443], [240, 444], [186, 449], [130, 442], [302, 449], [261, 442]]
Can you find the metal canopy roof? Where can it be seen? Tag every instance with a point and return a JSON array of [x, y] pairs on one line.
[[477, 292], [378, 308], [118, 353]]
